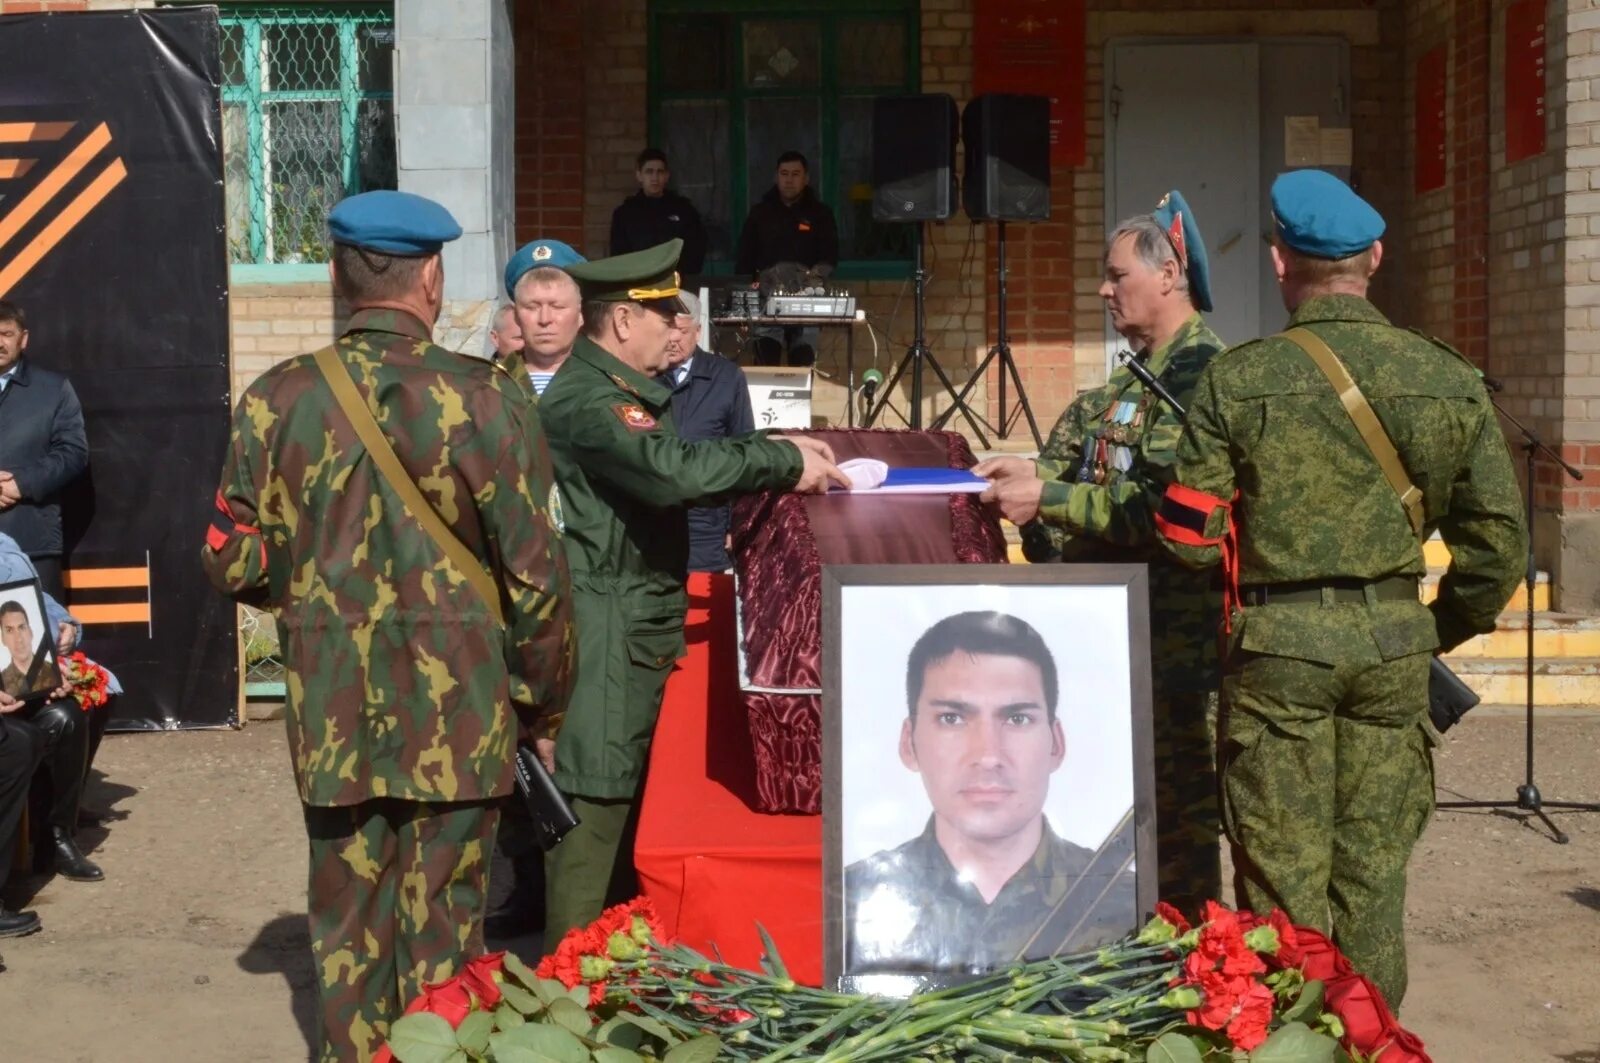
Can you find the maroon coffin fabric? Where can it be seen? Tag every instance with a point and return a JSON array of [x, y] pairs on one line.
[[780, 544]]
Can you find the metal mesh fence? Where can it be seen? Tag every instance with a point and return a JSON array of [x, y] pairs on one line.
[[308, 118]]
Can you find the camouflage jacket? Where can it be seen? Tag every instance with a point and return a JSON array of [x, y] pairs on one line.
[[1312, 504], [626, 479], [910, 910], [400, 682], [1101, 507]]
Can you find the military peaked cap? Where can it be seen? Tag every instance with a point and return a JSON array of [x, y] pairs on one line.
[[639, 276], [393, 223], [1177, 220], [540, 253], [1317, 214]]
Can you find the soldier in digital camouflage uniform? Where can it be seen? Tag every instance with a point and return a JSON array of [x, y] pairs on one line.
[[1326, 758], [626, 478], [405, 695], [1095, 489]]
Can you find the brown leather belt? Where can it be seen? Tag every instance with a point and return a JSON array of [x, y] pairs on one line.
[[1318, 592]]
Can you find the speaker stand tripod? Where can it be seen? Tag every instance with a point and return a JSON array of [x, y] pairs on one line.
[[919, 356], [1528, 796], [1006, 420]]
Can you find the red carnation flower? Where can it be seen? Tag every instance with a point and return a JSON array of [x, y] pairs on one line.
[[1173, 916], [1248, 1027]]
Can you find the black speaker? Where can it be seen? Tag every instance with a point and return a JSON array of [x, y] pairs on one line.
[[914, 157], [1008, 158]]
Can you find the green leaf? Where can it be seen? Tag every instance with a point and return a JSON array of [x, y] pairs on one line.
[[518, 1054], [1295, 1043], [550, 1042], [774, 961], [653, 1027], [1308, 1006], [613, 1054], [507, 1017], [620, 1032], [703, 1049], [521, 971], [473, 1033], [579, 995], [571, 1016], [549, 989], [1172, 1048], [520, 999], [422, 1038]]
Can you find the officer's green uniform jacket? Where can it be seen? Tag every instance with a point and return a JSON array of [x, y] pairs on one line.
[[400, 682], [1312, 504], [1113, 520], [625, 480]]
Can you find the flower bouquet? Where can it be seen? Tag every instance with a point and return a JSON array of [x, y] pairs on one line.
[[92, 685], [1238, 988]]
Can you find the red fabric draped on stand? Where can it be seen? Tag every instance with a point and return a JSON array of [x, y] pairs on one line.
[[713, 867], [782, 541]]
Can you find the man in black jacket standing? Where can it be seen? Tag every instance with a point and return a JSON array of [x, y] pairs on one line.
[[710, 400], [655, 214], [790, 224], [42, 449]]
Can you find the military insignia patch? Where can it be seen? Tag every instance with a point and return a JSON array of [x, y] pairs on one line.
[[541, 253], [558, 517], [633, 417]]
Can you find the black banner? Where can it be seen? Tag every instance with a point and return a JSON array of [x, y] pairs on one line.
[[112, 239]]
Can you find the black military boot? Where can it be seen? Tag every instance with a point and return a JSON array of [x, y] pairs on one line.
[[70, 861], [17, 924]]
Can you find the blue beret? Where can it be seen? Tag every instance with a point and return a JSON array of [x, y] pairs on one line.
[[395, 223], [1173, 215], [537, 255], [1317, 214]]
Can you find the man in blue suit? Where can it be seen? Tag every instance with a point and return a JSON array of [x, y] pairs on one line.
[[710, 400]]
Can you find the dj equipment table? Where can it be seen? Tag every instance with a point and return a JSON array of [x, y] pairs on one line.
[[745, 323]]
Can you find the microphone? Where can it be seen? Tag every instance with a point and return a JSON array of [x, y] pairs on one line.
[[1148, 379], [871, 380]]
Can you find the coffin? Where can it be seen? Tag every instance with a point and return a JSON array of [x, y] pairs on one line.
[[781, 542]]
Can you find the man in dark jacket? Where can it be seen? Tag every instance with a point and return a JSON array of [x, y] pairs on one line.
[[790, 224], [42, 449], [655, 214], [710, 400]]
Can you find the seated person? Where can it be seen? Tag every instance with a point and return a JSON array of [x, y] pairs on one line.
[[789, 225]]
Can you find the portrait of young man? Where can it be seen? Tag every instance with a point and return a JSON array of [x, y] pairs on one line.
[[988, 880], [20, 678]]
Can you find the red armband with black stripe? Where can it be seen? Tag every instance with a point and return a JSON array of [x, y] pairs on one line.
[[1183, 517], [223, 528]]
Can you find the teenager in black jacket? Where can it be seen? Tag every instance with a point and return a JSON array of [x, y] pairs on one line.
[[655, 214]]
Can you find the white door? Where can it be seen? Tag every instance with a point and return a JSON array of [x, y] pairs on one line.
[[1208, 118]]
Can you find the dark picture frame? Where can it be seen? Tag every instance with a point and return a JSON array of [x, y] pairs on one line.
[[42, 675], [1098, 814]]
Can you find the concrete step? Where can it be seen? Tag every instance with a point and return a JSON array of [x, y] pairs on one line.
[[1554, 635], [1436, 554], [1571, 681]]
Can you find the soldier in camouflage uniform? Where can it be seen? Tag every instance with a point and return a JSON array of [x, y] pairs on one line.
[[1095, 489], [405, 694], [625, 480], [1326, 761]]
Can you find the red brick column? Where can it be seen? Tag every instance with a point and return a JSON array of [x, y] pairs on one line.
[[1469, 178], [549, 147]]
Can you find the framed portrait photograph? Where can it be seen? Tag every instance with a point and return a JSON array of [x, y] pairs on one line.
[[987, 790], [28, 669]]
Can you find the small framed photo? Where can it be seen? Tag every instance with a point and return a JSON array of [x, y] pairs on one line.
[[28, 669], [987, 790]]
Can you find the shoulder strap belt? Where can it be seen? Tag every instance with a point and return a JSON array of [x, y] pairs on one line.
[[383, 456], [1366, 421]]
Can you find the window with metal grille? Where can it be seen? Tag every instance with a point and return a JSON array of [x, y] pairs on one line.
[[734, 83], [308, 118]]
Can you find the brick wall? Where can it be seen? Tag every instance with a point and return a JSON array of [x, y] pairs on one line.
[[271, 322], [550, 120]]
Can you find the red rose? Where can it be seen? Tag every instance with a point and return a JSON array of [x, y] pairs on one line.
[[1248, 1027], [1319, 960], [451, 1000], [1173, 916], [478, 975], [383, 1055], [1288, 939]]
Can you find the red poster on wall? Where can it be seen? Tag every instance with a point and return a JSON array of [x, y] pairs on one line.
[[1525, 46], [1035, 48], [1430, 119]]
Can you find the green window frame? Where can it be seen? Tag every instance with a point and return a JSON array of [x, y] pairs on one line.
[[280, 185], [738, 96]]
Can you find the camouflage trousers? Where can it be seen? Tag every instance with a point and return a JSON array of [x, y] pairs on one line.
[[396, 900], [1188, 817], [1327, 783]]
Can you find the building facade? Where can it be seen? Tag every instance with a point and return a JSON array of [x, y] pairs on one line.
[[1467, 123]]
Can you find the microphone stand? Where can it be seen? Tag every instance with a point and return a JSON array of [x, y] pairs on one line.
[[1528, 797]]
